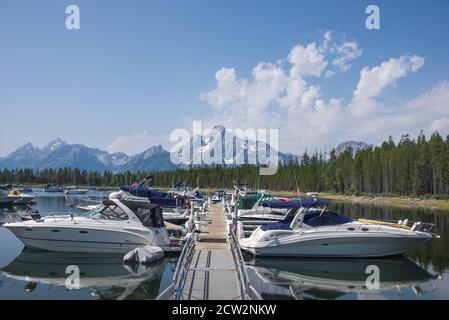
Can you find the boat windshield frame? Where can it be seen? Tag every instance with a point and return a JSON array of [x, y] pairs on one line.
[[115, 213], [334, 217]]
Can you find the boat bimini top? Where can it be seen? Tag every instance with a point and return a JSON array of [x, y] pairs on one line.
[[301, 214]]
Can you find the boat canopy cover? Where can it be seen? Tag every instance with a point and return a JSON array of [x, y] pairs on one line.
[[141, 191], [150, 214], [248, 201], [158, 197], [327, 218], [296, 203], [282, 225]]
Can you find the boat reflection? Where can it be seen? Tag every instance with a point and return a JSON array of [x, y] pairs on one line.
[[104, 275], [334, 278]]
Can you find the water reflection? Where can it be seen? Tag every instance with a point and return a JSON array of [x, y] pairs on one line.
[[334, 278], [103, 276], [432, 254]]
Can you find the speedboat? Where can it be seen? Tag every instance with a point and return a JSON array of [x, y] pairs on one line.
[[20, 198], [174, 208], [119, 225], [256, 209], [322, 233], [75, 191], [5, 201], [51, 187], [218, 195]]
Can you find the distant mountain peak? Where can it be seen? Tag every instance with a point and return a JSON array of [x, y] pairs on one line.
[[355, 146], [27, 146], [54, 144]]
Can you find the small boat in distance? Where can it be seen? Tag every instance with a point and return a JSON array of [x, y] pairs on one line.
[[52, 187], [21, 198], [75, 190], [5, 201], [218, 195]]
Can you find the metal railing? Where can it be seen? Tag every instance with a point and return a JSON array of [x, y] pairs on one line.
[[174, 290], [373, 227], [246, 289]]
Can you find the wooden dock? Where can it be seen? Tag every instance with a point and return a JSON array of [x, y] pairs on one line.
[[211, 265], [212, 273]]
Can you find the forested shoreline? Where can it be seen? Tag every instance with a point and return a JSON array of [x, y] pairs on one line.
[[412, 167]]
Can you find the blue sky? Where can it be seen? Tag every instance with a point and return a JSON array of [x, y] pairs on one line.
[[137, 69]]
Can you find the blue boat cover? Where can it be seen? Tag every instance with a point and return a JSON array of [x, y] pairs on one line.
[[282, 225], [327, 218], [296, 203], [158, 197]]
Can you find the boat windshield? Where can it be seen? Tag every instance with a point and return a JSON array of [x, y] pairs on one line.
[[326, 218], [107, 212]]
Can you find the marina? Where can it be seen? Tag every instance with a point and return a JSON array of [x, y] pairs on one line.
[[212, 265]]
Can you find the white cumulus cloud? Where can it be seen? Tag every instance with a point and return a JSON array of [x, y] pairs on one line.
[[284, 94]]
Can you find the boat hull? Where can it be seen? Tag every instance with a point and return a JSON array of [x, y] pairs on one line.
[[76, 192], [343, 247], [78, 240]]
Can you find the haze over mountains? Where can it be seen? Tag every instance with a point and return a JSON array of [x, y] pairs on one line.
[[59, 154]]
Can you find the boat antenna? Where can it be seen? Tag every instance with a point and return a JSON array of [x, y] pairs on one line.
[[116, 181], [297, 187]]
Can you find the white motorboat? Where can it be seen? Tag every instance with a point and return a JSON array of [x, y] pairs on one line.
[[218, 195], [51, 187], [21, 198], [5, 200], [312, 233], [75, 191], [256, 209], [119, 225]]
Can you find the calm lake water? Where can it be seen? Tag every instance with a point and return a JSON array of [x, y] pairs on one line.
[[33, 274], [422, 274]]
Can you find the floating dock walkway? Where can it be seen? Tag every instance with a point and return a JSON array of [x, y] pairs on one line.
[[211, 265]]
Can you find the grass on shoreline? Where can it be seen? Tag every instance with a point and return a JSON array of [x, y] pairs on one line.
[[395, 201]]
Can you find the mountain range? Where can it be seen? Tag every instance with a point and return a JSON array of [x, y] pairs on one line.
[[59, 154]]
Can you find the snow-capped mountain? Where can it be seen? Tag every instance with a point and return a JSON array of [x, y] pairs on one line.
[[234, 150], [355, 146], [59, 154]]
